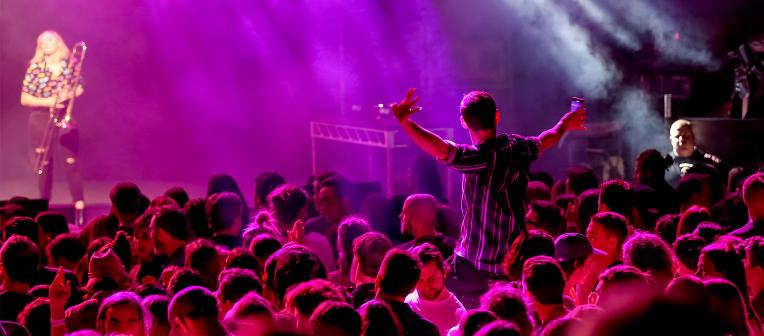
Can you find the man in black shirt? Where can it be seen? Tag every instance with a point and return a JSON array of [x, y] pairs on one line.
[[397, 278], [686, 155]]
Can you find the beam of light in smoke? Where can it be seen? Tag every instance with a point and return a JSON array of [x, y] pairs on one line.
[[643, 128], [688, 48], [622, 36], [588, 69]]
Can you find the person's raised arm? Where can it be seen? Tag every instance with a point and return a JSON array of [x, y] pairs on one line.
[[426, 140], [58, 293], [571, 121]]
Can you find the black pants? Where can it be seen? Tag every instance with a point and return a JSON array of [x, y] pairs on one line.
[[469, 283], [67, 141]]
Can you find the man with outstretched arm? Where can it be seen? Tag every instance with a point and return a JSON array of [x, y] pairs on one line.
[[494, 184]]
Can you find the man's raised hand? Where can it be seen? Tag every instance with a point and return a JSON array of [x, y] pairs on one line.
[[59, 290], [403, 110], [574, 121]]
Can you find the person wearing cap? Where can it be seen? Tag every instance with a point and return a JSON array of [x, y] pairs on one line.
[[105, 266], [573, 252], [194, 311]]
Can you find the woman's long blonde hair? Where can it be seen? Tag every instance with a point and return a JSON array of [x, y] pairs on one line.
[[62, 50]]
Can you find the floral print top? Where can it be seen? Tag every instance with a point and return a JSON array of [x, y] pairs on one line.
[[39, 80]]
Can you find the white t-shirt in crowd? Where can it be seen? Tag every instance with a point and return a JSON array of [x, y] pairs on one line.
[[444, 313]]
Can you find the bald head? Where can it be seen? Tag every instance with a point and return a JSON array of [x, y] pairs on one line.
[[419, 214], [682, 138]]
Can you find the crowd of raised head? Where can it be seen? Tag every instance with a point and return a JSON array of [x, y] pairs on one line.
[[609, 258]]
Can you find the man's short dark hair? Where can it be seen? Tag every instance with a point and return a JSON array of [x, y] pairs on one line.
[[263, 246], [241, 258], [289, 266], [20, 258], [709, 231], [178, 194], [36, 316], [195, 303], [286, 202], [265, 183], [197, 219], [67, 246], [173, 221], [23, 226], [222, 210], [126, 197], [399, 273], [614, 223], [234, 283], [335, 318], [544, 279], [666, 227], [200, 255], [157, 305], [581, 179], [648, 253], [691, 184], [687, 249], [370, 249], [305, 297], [549, 217], [429, 253], [618, 196], [184, 278], [478, 109], [753, 184], [475, 319], [52, 222]]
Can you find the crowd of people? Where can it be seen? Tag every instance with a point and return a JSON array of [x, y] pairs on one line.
[[526, 255]]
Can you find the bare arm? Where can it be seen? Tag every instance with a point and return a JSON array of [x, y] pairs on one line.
[[428, 141], [571, 121], [29, 100], [58, 293]]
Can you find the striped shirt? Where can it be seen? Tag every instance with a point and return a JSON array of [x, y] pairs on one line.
[[493, 196]]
